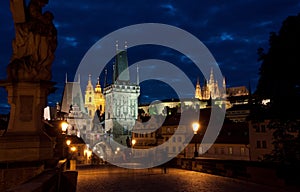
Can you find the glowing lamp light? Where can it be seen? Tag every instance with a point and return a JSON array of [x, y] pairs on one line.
[[68, 142], [133, 142], [195, 127], [73, 149], [89, 153], [64, 126]]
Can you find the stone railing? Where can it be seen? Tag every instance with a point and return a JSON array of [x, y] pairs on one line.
[[53, 180], [258, 172]]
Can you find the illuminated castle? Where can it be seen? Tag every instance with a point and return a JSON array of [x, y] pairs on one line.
[[211, 89]]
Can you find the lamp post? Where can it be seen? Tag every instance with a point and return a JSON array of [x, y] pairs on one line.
[[133, 142], [64, 126], [73, 159], [195, 129]]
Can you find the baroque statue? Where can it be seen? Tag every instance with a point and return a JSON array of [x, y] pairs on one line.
[[35, 42]]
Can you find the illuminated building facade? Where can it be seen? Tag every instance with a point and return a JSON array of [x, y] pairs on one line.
[[94, 98]]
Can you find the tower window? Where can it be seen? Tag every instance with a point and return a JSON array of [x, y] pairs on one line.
[[90, 99]]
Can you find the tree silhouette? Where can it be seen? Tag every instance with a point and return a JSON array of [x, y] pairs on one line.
[[279, 74], [280, 82]]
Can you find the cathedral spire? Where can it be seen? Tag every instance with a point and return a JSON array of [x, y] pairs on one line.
[[66, 77], [224, 87], [198, 93], [211, 77]]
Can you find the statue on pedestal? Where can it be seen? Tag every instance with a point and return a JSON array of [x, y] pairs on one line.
[[34, 44]]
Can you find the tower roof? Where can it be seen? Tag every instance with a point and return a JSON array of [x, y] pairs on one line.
[[72, 95], [121, 72]]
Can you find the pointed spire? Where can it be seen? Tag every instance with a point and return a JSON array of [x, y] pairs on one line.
[[125, 45], [211, 77], [105, 78], [224, 87], [90, 80], [98, 86], [66, 77], [137, 75], [224, 83], [198, 93], [89, 86], [117, 45], [114, 75]]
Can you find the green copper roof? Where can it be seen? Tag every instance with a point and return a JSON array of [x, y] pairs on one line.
[[121, 72]]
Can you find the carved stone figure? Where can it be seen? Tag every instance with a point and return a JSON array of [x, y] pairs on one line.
[[35, 42]]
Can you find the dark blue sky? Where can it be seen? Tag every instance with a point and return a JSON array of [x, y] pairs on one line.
[[232, 31]]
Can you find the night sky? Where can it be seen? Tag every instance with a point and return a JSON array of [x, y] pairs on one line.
[[231, 30]]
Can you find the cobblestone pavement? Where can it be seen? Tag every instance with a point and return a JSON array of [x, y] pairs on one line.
[[114, 179]]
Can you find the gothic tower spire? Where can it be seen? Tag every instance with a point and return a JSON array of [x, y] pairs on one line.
[[198, 94], [121, 72]]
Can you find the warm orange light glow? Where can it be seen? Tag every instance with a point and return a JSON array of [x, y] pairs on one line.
[[73, 149], [195, 127], [64, 126], [68, 142], [133, 142]]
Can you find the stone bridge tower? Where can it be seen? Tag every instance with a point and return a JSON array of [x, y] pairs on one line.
[[121, 100]]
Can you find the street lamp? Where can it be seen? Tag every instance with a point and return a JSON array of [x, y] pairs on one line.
[[64, 127], [195, 129], [73, 159], [133, 142], [73, 149], [68, 142]]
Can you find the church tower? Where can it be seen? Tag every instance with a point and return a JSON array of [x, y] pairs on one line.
[[99, 100], [205, 91], [89, 98], [121, 99], [198, 94]]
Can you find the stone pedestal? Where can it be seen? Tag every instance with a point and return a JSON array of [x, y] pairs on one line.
[[25, 139]]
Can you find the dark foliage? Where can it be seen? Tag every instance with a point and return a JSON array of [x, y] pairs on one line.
[[279, 74], [280, 82]]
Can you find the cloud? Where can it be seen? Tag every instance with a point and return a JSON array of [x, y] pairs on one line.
[[225, 36], [69, 40], [171, 10]]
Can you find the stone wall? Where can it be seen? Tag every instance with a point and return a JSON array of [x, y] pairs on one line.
[[13, 176]]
